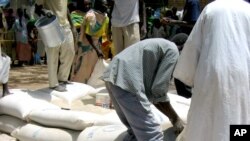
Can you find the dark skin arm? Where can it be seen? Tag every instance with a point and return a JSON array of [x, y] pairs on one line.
[[90, 40], [142, 9], [111, 6], [169, 21], [73, 29], [168, 110]]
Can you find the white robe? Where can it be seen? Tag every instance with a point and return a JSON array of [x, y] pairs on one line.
[[215, 61], [4, 67]]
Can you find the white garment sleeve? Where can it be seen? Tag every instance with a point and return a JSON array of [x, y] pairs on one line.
[[4, 70], [188, 60]]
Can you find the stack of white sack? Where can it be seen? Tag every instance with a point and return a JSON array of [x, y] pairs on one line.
[[31, 116], [75, 91]]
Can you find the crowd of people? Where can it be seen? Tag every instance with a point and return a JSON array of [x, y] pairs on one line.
[[205, 53]]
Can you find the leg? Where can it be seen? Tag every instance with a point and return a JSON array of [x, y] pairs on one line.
[[5, 89], [141, 121], [182, 89], [67, 53], [4, 74], [52, 57], [131, 34], [117, 35], [120, 113]]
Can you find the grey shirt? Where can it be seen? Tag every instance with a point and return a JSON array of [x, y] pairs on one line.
[[145, 69]]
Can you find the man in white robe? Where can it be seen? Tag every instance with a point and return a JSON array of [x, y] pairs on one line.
[[4, 72], [215, 61], [4, 59]]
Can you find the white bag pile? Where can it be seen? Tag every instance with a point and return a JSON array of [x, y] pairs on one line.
[[31, 116], [75, 91]]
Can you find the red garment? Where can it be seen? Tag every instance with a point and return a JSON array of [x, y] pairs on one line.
[[23, 51]]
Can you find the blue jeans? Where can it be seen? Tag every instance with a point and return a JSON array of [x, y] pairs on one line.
[[140, 122]]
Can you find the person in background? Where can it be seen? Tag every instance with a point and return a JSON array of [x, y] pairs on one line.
[[157, 30], [143, 78], [94, 27], [190, 14], [215, 62], [174, 11], [125, 20], [10, 18], [23, 49], [5, 60], [33, 38], [60, 58]]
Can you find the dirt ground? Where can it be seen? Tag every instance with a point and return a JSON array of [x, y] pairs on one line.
[[34, 77], [28, 77]]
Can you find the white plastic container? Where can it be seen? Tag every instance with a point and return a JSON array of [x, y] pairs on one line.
[[50, 31], [103, 100]]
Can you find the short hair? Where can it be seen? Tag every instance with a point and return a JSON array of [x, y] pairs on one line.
[[179, 39]]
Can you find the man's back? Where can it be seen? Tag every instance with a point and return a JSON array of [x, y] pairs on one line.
[[135, 69]]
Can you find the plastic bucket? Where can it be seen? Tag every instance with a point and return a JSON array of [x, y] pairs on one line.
[[50, 31]]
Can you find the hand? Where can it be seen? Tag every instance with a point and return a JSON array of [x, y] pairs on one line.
[[99, 54], [49, 14], [165, 20], [3, 54], [178, 126]]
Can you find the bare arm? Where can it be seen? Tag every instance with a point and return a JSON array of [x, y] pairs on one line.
[[168, 110], [73, 29], [142, 8]]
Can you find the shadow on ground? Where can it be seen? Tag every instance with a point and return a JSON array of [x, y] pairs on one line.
[[28, 77]]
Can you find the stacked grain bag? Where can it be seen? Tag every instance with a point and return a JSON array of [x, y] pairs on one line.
[[75, 91], [31, 116]]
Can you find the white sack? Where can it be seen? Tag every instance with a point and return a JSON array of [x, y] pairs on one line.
[[103, 133], [108, 119], [76, 120], [180, 105], [9, 123], [100, 90], [32, 132], [36, 94], [75, 91], [6, 137], [95, 78], [20, 106]]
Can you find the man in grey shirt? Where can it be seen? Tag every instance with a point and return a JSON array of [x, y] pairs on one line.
[[138, 76]]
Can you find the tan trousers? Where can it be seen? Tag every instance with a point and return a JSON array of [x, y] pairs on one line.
[[63, 54], [125, 36]]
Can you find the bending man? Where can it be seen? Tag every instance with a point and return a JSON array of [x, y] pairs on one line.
[[137, 77]]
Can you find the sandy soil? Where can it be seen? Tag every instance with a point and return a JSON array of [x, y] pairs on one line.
[[28, 77]]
